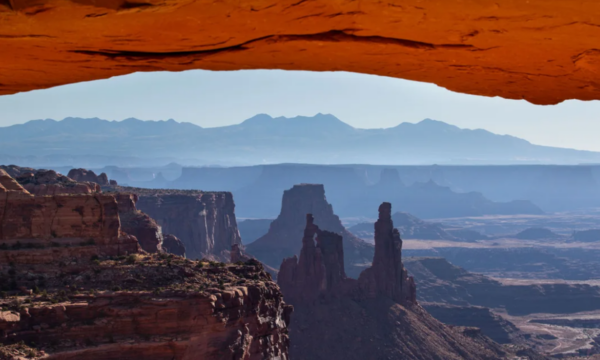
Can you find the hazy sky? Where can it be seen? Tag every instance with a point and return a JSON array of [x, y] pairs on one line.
[[222, 98]]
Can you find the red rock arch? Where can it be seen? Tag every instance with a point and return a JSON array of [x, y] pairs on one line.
[[544, 51]]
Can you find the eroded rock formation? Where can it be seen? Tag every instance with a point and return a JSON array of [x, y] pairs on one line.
[[375, 317], [282, 239], [74, 285], [464, 46], [138, 224], [173, 245], [203, 221], [387, 276], [88, 175], [49, 182]]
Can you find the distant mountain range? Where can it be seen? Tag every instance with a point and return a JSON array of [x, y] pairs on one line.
[[321, 139]]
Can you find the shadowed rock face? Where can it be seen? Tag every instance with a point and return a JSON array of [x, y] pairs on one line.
[[138, 224], [173, 245], [320, 268], [282, 239], [387, 276], [375, 317], [204, 221], [319, 271], [88, 175]]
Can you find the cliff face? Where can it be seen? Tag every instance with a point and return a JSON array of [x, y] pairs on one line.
[[282, 239], [138, 224], [65, 219], [75, 286], [204, 221], [173, 245], [374, 317]]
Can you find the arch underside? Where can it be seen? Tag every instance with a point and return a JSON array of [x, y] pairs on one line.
[[544, 51]]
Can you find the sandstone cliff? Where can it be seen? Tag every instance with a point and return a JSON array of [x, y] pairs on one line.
[[49, 182], [282, 239], [75, 286], [138, 224], [203, 221]]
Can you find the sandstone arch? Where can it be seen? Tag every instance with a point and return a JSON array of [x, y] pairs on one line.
[[544, 51]]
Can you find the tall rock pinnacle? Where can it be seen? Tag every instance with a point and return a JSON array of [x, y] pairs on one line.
[[319, 271]]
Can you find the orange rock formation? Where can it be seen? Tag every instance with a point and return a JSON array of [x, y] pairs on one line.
[[544, 51]]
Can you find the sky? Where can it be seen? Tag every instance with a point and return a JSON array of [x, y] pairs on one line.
[[212, 99]]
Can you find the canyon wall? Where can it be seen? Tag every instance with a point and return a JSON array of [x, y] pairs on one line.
[[74, 285], [138, 224], [204, 221]]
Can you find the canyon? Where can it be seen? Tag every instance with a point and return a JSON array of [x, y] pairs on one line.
[[74, 284]]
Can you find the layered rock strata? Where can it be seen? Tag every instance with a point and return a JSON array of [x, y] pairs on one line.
[[46, 221], [204, 221], [282, 239], [148, 307], [74, 285]]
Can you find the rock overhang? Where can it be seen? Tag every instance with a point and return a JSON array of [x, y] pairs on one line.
[[543, 51]]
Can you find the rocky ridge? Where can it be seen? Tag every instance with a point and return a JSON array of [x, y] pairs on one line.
[[89, 176], [74, 285]]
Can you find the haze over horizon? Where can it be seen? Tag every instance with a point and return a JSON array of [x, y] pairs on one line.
[[212, 99]]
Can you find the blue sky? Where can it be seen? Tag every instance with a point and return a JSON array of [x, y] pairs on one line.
[[366, 101]]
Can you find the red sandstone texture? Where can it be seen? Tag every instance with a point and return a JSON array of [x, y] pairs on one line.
[[74, 286], [204, 221], [88, 175], [72, 219], [544, 51], [282, 239]]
